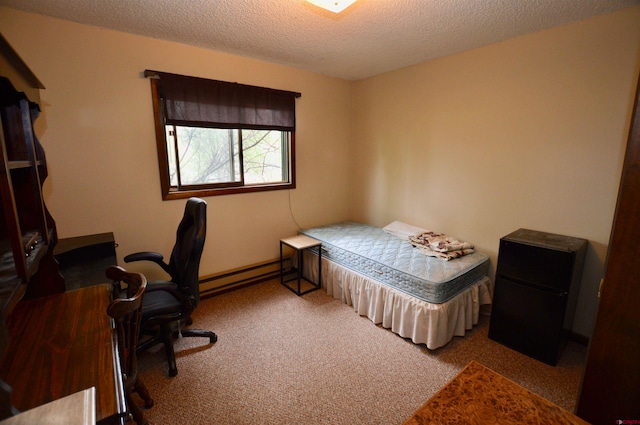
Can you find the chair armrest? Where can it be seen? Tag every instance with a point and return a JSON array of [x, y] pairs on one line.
[[154, 257]]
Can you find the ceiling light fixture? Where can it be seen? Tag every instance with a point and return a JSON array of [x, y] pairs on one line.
[[335, 6]]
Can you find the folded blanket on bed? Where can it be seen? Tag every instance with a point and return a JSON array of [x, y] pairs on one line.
[[449, 255], [439, 245], [438, 242]]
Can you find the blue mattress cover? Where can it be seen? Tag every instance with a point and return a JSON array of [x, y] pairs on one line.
[[393, 261]]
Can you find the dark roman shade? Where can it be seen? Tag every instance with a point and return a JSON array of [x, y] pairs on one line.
[[200, 102]]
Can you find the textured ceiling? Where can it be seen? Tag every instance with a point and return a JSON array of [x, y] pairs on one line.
[[369, 38]]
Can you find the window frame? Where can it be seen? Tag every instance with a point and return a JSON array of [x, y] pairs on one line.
[[170, 192]]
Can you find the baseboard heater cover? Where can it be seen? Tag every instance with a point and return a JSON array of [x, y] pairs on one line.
[[218, 283]]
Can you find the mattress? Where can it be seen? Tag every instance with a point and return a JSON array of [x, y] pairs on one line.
[[393, 261]]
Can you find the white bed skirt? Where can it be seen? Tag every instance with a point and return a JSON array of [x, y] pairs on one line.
[[425, 323]]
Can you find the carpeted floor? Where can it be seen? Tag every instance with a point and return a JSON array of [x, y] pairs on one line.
[[283, 359]]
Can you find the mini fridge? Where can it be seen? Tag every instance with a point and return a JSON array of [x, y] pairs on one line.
[[536, 290]]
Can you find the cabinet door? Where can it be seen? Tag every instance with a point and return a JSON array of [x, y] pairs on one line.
[[533, 264], [528, 319], [610, 387]]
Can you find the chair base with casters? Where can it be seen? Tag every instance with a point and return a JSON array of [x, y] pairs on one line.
[[165, 333]]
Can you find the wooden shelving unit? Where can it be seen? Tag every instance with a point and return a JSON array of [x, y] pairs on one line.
[[27, 230]]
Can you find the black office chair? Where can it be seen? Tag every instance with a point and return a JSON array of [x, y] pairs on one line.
[[168, 304]]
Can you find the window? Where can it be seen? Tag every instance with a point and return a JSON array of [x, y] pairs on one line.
[[218, 138]]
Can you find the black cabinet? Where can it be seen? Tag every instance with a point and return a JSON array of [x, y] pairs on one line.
[[537, 284], [82, 260]]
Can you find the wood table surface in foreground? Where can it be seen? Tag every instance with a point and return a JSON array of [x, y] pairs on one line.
[[62, 344], [478, 395]]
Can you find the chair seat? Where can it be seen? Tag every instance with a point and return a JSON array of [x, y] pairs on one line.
[[159, 303]]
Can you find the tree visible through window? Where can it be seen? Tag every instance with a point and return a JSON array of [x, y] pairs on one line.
[[209, 149], [201, 156]]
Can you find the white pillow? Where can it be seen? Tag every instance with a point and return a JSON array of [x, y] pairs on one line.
[[402, 230]]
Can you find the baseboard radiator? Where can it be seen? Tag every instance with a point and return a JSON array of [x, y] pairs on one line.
[[230, 280]]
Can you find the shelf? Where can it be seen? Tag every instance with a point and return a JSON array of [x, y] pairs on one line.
[[6, 258], [16, 165], [10, 283], [28, 269], [27, 228], [11, 291]]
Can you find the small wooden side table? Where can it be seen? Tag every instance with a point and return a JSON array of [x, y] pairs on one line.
[[300, 243]]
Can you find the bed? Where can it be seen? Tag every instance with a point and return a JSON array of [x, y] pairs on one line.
[[385, 278]]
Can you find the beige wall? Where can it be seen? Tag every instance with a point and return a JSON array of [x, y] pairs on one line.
[[98, 134], [525, 133]]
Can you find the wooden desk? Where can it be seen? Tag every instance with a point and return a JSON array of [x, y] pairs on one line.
[[478, 396], [62, 344]]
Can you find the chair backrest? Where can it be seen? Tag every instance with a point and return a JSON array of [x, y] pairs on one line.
[[184, 264], [127, 312]]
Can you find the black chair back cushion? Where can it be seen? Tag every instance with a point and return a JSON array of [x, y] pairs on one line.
[[184, 264]]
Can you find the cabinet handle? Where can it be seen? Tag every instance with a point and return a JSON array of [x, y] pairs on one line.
[[600, 288]]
